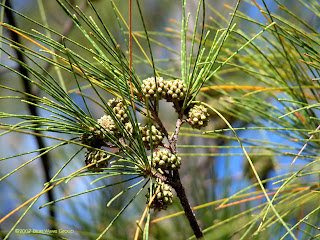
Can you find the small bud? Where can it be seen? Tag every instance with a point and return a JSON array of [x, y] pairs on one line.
[[175, 90], [155, 135], [163, 198], [198, 116], [108, 126], [165, 160], [153, 88], [93, 156]]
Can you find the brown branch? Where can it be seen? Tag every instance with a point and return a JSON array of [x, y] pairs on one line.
[[173, 178], [174, 137], [130, 40], [156, 118], [165, 146], [178, 187]]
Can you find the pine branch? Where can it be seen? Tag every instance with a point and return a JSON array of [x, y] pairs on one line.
[[173, 177], [178, 187]]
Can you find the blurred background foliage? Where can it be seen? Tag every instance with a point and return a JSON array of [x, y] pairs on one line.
[[215, 167]]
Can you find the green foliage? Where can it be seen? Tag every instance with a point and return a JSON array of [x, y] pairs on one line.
[[249, 91]]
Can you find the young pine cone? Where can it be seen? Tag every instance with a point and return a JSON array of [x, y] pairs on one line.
[[107, 124], [121, 113], [128, 126], [93, 138], [119, 109], [163, 198], [165, 160], [198, 116], [150, 88], [154, 134], [175, 90], [93, 156], [113, 102]]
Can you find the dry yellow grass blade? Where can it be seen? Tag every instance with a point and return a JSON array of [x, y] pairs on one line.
[[203, 89], [136, 236]]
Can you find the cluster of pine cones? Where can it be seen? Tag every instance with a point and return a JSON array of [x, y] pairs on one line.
[[173, 91], [161, 160], [108, 129]]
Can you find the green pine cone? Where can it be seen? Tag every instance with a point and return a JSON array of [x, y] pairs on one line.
[[113, 102], [93, 138], [150, 88], [128, 126], [93, 156], [198, 116], [163, 198], [165, 160], [108, 125], [154, 134], [175, 90], [120, 112], [119, 109]]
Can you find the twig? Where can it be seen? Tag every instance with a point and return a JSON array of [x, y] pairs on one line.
[[174, 137], [173, 178], [175, 181], [178, 187], [304, 146], [156, 118], [176, 184]]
